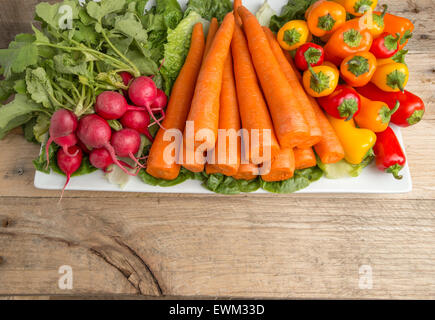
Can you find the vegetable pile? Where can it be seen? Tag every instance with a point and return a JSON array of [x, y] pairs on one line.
[[98, 84]]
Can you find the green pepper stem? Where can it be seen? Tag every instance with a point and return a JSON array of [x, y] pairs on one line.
[[395, 170], [310, 68], [384, 12], [394, 110]]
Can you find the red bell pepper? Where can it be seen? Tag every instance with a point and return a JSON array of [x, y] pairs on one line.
[[411, 108], [389, 154], [310, 52], [386, 46], [343, 103]]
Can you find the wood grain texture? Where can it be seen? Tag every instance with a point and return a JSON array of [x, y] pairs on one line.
[[157, 245]]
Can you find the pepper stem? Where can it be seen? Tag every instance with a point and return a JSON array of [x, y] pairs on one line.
[[384, 12], [396, 107], [310, 68], [395, 170]]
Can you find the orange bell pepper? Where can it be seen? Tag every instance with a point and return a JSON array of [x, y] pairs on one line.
[[349, 39], [358, 7], [403, 26], [320, 81], [325, 17], [391, 77], [358, 69], [293, 34], [375, 115]]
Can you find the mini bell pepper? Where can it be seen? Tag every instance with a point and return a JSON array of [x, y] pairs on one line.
[[325, 17], [320, 81], [343, 103], [386, 46], [378, 24], [347, 40], [293, 34], [309, 53], [411, 108], [389, 154], [375, 115], [382, 62], [391, 77], [356, 142], [358, 69], [403, 26], [358, 7]]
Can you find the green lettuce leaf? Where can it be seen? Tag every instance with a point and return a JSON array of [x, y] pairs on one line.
[[221, 184], [344, 169], [177, 48], [149, 179], [301, 180], [171, 12], [293, 10], [209, 9]]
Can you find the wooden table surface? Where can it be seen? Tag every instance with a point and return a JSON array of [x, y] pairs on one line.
[[293, 246]]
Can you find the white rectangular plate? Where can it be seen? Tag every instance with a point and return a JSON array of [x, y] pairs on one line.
[[371, 180]]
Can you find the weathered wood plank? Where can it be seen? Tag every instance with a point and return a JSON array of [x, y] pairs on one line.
[[301, 248]]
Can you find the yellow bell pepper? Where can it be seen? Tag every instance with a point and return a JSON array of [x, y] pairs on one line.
[[375, 23], [358, 7], [381, 62], [391, 77], [321, 81], [356, 142], [293, 34], [375, 115]]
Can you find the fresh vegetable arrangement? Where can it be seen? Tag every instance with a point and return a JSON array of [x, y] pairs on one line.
[[101, 85]]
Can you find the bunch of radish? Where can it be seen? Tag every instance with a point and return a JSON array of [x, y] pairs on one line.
[[92, 133]]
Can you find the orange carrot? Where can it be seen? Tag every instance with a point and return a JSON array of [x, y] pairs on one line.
[[178, 108], [237, 4], [189, 153], [204, 111], [298, 90], [304, 158], [214, 26], [289, 58], [253, 108], [282, 168], [290, 125], [329, 149], [247, 172], [229, 119]]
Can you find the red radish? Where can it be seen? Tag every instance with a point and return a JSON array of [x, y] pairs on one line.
[[101, 159], [111, 105], [95, 132], [126, 78], [62, 124], [69, 164], [142, 93], [67, 142], [126, 143], [160, 102], [84, 148], [139, 121]]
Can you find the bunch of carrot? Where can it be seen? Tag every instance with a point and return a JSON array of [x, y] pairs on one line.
[[240, 78]]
